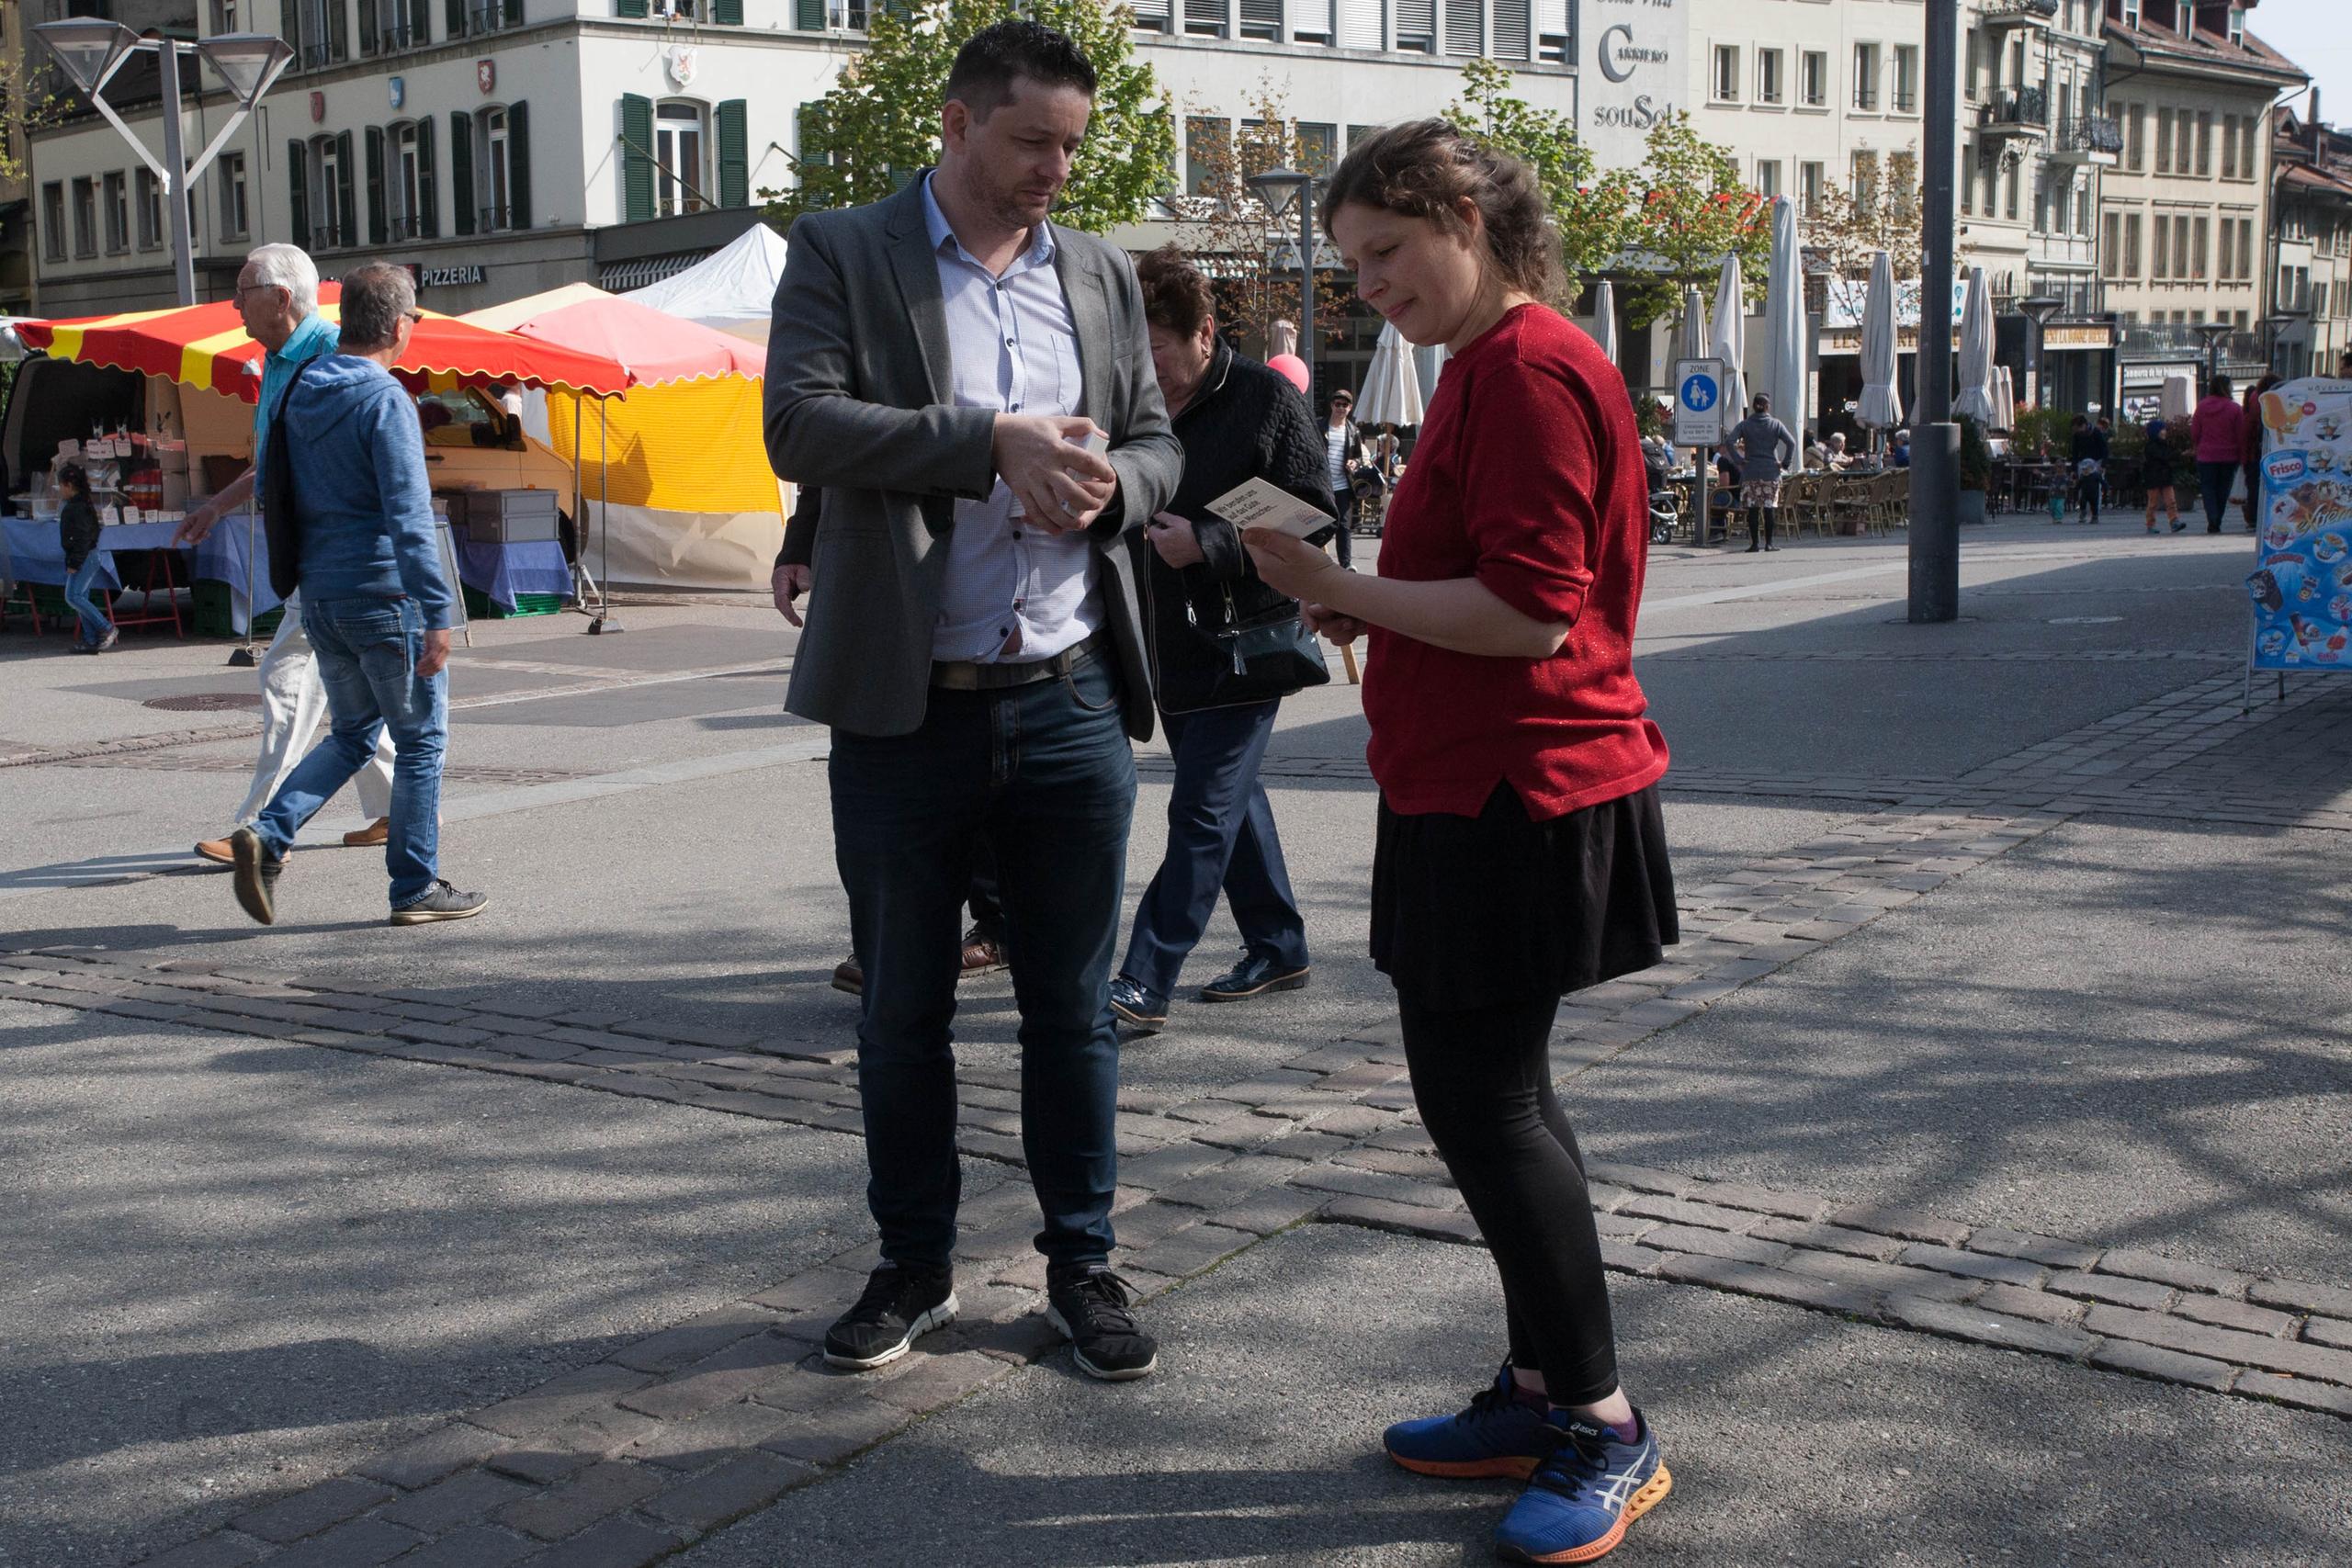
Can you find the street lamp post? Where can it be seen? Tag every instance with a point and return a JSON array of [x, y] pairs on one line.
[[2213, 332], [2274, 327], [90, 50], [1278, 188], [2038, 309]]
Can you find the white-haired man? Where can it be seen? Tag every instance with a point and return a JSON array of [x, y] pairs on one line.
[[278, 296]]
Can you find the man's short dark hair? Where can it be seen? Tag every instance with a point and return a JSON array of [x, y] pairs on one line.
[[996, 56], [1763, 403], [375, 298]]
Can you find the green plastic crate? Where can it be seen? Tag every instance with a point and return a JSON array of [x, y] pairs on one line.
[[480, 607], [212, 615]]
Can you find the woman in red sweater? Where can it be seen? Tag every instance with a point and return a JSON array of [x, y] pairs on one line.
[[1521, 851]]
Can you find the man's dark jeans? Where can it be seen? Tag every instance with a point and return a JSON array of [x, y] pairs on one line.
[[1046, 770]]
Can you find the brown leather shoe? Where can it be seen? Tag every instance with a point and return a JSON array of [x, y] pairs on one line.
[[982, 953], [848, 976], [376, 832], [217, 849]]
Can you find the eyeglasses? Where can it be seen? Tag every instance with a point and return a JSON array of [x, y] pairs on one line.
[[416, 318], [239, 290]]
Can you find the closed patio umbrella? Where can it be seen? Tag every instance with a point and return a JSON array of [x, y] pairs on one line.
[[1976, 399], [1604, 320], [1392, 387], [1690, 337], [1728, 340], [1882, 405], [1783, 375]]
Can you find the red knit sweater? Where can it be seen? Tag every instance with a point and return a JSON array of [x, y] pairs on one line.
[[1529, 477]]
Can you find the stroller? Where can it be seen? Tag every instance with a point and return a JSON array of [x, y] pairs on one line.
[[1665, 502]]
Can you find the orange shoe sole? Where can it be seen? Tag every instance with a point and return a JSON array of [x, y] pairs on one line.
[[1513, 1468], [1648, 1497]]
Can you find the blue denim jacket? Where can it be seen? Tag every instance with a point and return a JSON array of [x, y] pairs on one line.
[[361, 491]]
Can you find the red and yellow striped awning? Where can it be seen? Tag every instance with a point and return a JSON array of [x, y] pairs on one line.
[[206, 345]]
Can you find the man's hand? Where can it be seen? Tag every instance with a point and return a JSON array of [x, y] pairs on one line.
[[1175, 540], [1287, 565], [1334, 627], [196, 525], [433, 657], [788, 584], [1060, 485]]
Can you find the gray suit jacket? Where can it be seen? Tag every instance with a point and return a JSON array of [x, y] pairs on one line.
[[858, 401]]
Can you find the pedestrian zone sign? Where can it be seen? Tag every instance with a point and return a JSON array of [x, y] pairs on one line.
[[1698, 402]]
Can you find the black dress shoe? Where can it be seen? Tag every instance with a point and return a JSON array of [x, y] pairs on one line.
[[1255, 976], [1144, 1009]]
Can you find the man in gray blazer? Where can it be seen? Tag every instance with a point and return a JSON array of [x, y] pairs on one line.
[[971, 385]]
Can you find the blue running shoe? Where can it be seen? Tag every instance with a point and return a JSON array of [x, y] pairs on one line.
[[1499, 1434], [1580, 1499]]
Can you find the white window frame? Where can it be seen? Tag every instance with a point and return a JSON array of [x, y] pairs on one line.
[[677, 190], [404, 180], [1867, 95], [1771, 77], [147, 208], [114, 211], [1812, 79], [53, 222], [327, 193], [494, 171], [1723, 86], [1906, 97], [85, 214]]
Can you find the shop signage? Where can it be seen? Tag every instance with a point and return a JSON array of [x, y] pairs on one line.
[[2301, 586], [447, 277], [1634, 79], [2079, 336], [1698, 402]]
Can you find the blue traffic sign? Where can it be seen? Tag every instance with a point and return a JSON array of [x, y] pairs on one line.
[[1699, 393]]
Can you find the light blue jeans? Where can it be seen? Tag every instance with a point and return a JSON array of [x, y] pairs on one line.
[[82, 599], [367, 650]]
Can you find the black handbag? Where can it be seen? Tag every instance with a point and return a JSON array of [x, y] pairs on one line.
[[279, 525], [1268, 656]]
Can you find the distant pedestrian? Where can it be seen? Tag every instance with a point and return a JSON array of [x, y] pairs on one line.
[[2217, 428], [2251, 406], [1342, 456], [1759, 439], [2158, 461], [1899, 453], [2087, 452], [352, 526], [77, 531], [1521, 851]]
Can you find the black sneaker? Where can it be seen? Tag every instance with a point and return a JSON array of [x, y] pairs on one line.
[[256, 875], [1147, 1010], [1090, 1309], [442, 903], [899, 1307]]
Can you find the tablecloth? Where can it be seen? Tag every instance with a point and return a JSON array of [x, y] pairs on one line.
[[34, 554], [501, 572]]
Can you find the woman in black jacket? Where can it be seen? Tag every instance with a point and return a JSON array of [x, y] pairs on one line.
[[1237, 421], [77, 533]]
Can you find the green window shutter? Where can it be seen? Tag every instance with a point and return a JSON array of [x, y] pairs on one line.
[[454, 13], [734, 156], [637, 158], [375, 185], [809, 16], [346, 229], [428, 190], [628, 7], [461, 171], [518, 166], [297, 191], [727, 13]]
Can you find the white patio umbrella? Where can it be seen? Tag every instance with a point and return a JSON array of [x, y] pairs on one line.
[[2005, 398], [2177, 398], [1783, 377], [1728, 342], [1690, 337], [1392, 387], [1282, 336], [1882, 405], [1604, 320], [1975, 398]]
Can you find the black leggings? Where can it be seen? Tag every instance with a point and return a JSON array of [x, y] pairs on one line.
[[1482, 1077]]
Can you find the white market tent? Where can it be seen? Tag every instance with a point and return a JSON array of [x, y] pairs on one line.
[[734, 288]]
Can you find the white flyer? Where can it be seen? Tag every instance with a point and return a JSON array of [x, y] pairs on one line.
[[1257, 504]]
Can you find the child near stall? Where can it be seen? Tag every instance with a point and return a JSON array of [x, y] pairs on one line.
[[77, 531]]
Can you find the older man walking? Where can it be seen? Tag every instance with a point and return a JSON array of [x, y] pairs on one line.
[[971, 385], [277, 298], [355, 516]]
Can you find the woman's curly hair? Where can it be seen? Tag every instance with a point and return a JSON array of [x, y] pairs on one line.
[[1425, 168]]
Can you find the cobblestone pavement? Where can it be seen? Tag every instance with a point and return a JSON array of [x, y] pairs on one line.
[[630, 1458]]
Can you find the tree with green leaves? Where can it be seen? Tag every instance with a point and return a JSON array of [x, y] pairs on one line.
[[1252, 260], [1846, 227], [880, 122], [1588, 207], [1692, 210]]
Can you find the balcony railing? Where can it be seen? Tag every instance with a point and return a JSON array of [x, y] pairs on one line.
[[2090, 133], [496, 17], [2151, 338], [2015, 109], [327, 237], [2019, 13], [495, 220], [408, 226]]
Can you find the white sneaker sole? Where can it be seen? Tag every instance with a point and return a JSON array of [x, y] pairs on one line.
[[428, 916], [1127, 1374], [939, 1316]]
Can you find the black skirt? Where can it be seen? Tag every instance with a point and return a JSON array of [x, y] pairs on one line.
[[1468, 911]]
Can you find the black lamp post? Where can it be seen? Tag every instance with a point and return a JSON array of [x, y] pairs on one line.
[[2039, 308], [2212, 333], [1278, 188]]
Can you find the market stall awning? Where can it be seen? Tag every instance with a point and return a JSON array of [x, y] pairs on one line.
[[206, 345], [656, 348]]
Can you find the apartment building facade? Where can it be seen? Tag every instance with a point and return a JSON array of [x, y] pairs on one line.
[[507, 146], [2184, 214], [2311, 243]]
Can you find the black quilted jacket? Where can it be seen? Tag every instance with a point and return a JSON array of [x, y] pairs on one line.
[[77, 531], [1246, 422]]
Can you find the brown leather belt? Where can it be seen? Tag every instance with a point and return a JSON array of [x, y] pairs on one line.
[[962, 675]]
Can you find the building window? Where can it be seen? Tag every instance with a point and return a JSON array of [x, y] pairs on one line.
[[229, 173], [327, 179], [2204, 143], [1907, 78], [2229, 144], [388, 25], [1769, 87], [404, 182], [85, 217], [117, 213], [2009, 207], [1317, 148], [150, 210], [2135, 139], [1466, 26], [2237, 25], [1767, 177], [1727, 74], [1208, 161], [494, 189], [1865, 179], [2246, 247], [2159, 253], [224, 15], [2163, 141], [1813, 82], [2248, 144], [2111, 250], [1415, 23], [2132, 246], [2200, 234], [53, 220], [1866, 78], [1810, 177]]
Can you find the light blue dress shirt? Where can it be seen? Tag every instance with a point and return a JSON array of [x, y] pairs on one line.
[[1014, 594]]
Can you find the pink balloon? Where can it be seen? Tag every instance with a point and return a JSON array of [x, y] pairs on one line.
[[1291, 367]]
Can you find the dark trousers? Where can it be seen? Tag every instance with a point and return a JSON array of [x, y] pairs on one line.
[[1343, 542], [988, 909], [2253, 503], [1220, 836], [2214, 484], [1482, 1078], [1046, 773], [2088, 492]]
